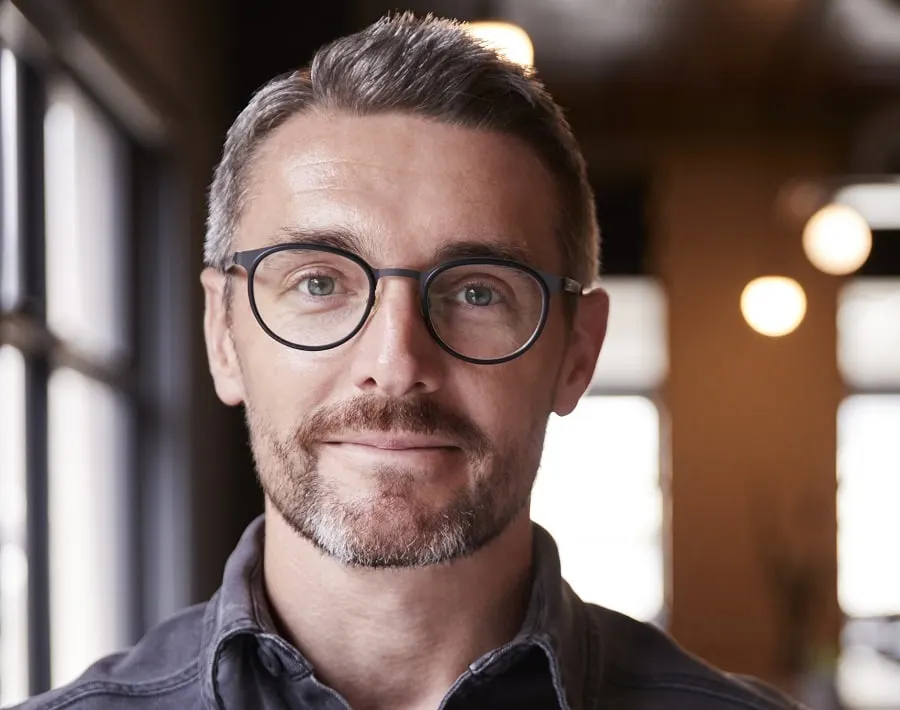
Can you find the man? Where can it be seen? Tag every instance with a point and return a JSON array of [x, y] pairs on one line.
[[401, 248]]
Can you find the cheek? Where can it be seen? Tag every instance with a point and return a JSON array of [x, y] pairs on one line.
[[281, 383], [539, 368], [509, 401]]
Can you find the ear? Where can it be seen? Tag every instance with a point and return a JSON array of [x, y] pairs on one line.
[[585, 341], [223, 360]]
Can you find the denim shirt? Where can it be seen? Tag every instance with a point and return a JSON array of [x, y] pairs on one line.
[[568, 655]]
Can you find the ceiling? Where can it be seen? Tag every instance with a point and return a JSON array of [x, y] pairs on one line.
[[755, 43], [632, 67]]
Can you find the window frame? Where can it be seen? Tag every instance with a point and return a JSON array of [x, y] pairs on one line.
[[152, 376], [862, 637]]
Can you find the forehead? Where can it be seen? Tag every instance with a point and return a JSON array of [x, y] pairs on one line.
[[406, 186]]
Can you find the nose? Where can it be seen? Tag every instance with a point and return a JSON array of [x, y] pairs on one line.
[[395, 354]]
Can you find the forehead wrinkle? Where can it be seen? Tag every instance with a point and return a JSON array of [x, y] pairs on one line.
[[333, 173], [321, 163]]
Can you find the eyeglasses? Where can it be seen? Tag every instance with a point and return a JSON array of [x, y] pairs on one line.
[[482, 310]]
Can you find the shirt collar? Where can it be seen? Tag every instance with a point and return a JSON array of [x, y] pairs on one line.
[[553, 621], [240, 607]]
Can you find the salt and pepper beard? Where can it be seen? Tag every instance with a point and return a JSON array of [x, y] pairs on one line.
[[388, 528]]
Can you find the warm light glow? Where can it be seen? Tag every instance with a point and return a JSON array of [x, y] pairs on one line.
[[837, 239], [510, 41], [773, 305]]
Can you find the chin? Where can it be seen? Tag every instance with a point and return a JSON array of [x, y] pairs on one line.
[[396, 532]]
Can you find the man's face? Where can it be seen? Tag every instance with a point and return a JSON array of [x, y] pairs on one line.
[[387, 450]]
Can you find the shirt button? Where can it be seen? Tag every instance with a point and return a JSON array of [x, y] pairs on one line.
[[269, 659]]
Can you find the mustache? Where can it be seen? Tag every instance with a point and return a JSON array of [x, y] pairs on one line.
[[415, 416]]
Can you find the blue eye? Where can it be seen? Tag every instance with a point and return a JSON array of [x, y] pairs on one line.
[[319, 285], [478, 296]]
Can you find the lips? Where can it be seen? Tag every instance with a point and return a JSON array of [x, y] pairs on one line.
[[394, 441]]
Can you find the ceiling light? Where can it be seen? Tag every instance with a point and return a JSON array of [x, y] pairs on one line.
[[773, 305], [508, 40], [837, 239]]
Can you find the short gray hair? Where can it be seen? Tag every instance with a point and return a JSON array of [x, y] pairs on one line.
[[422, 66]]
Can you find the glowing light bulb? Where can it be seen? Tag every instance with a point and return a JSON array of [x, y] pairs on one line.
[[773, 305], [837, 239], [510, 41]]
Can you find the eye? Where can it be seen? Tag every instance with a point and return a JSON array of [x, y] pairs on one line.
[[318, 285], [479, 295]]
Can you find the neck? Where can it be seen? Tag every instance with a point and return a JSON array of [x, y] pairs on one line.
[[396, 638]]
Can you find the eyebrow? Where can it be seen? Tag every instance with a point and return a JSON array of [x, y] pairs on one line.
[[349, 241], [474, 249], [332, 237]]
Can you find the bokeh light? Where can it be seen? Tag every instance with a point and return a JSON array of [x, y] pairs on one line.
[[837, 239], [773, 305], [510, 41]]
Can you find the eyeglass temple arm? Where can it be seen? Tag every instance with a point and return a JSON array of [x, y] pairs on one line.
[[571, 286]]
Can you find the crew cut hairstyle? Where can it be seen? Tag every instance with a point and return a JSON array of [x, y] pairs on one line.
[[423, 66]]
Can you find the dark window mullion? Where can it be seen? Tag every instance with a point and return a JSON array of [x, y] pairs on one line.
[[134, 226], [31, 109], [37, 372]]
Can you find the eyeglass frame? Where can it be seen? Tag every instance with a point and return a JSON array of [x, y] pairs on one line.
[[549, 284]]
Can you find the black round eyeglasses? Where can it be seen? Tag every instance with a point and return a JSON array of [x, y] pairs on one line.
[[482, 310]]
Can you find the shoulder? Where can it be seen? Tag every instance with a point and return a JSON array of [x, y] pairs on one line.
[[160, 671], [641, 662]]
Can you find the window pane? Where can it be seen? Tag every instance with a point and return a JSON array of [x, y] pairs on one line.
[[10, 252], [869, 333], [634, 356], [90, 541], [598, 494], [868, 495], [86, 190], [878, 203], [13, 559], [867, 677]]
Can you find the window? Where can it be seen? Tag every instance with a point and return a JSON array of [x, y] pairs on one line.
[[868, 449], [15, 608], [598, 490], [86, 190], [69, 522], [89, 530], [86, 194], [598, 493], [869, 334], [13, 555], [868, 495], [868, 491]]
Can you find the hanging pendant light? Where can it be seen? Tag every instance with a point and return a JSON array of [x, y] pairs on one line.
[[837, 239], [773, 305]]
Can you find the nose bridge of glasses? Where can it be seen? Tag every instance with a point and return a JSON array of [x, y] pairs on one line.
[[403, 273], [397, 272]]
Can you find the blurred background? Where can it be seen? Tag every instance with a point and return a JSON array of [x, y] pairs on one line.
[[733, 475]]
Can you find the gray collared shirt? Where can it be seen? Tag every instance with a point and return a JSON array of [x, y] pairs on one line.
[[568, 655]]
